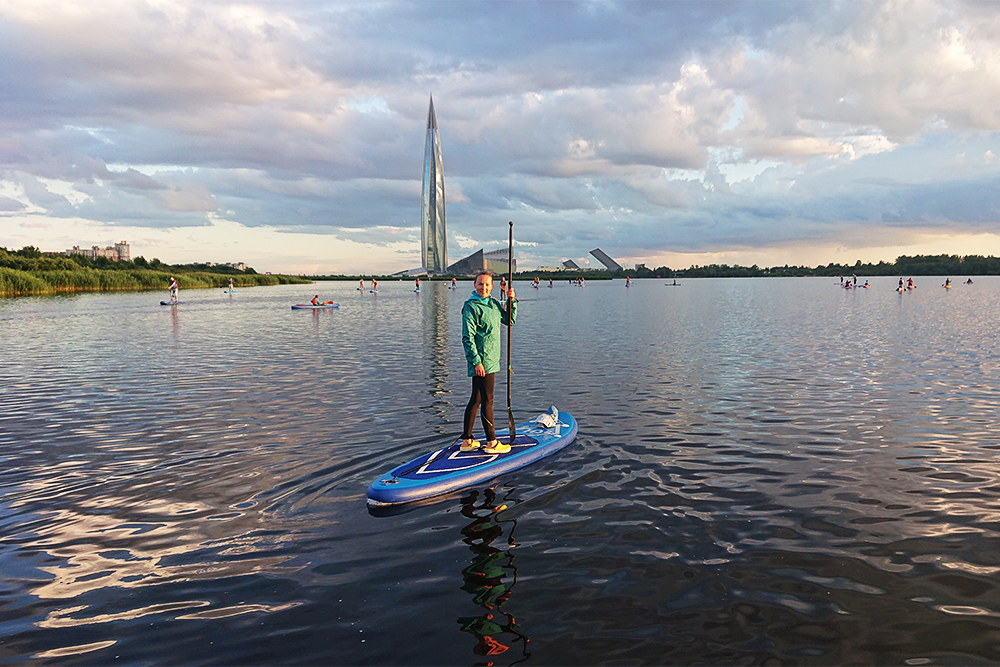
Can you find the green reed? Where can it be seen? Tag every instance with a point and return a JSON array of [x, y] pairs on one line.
[[14, 282]]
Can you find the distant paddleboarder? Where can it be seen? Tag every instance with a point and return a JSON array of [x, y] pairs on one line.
[[173, 289], [482, 316]]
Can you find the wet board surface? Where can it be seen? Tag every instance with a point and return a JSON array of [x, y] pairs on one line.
[[447, 469], [309, 306], [168, 303]]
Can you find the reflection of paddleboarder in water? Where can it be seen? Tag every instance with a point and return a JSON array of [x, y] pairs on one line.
[[485, 577]]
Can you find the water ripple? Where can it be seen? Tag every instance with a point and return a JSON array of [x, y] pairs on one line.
[[766, 471]]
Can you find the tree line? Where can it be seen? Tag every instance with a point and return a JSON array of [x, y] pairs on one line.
[[30, 258], [916, 265], [30, 271]]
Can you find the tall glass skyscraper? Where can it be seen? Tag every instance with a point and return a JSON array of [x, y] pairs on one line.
[[433, 234]]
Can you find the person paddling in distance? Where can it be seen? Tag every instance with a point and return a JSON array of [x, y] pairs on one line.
[[315, 300], [482, 316], [173, 289]]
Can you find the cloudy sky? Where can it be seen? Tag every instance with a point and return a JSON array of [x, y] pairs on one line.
[[290, 134]]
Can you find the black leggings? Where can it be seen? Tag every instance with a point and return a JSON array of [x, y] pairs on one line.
[[482, 394]]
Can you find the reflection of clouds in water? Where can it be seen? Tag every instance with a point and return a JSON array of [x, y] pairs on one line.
[[115, 535], [100, 551]]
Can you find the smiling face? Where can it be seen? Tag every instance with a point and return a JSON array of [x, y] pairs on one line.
[[484, 285]]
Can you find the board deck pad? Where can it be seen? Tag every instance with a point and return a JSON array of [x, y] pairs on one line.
[[447, 468]]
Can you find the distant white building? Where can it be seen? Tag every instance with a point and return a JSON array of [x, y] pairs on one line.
[[119, 252]]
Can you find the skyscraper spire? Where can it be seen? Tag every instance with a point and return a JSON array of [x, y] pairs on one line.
[[433, 233]]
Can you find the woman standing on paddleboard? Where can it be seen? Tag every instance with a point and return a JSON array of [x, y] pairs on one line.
[[482, 316]]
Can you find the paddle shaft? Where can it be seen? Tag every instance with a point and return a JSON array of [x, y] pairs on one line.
[[510, 306]]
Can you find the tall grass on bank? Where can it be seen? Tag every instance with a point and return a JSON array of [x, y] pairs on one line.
[[14, 282]]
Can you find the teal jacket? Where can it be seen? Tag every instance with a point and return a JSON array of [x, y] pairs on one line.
[[481, 319]]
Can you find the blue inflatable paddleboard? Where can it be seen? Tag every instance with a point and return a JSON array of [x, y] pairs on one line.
[[448, 469], [169, 303]]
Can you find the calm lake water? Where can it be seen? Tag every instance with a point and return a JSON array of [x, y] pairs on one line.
[[768, 471]]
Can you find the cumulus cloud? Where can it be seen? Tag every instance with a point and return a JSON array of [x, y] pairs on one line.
[[8, 204]]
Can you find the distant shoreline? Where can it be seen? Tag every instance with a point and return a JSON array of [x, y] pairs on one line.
[[29, 271], [14, 282], [916, 265]]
